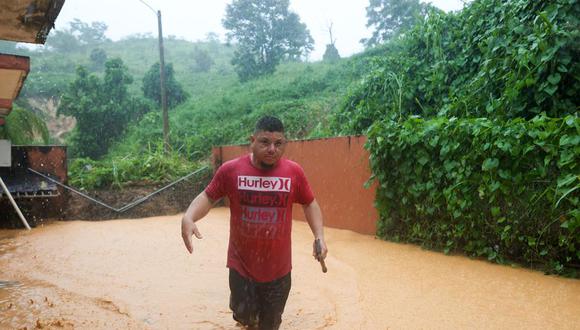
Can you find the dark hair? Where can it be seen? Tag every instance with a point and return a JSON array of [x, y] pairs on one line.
[[269, 124]]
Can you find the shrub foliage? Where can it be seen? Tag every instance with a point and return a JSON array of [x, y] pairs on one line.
[[505, 190], [102, 108], [153, 166], [474, 133], [24, 127]]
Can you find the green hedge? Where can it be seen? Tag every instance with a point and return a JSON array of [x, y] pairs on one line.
[[505, 190]]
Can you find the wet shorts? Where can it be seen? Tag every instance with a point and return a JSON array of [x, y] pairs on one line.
[[258, 304]]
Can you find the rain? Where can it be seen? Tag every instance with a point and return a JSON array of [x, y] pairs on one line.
[[397, 164]]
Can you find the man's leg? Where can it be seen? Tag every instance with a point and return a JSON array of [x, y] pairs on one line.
[[243, 299], [272, 298]]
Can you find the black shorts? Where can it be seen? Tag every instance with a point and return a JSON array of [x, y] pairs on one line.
[[258, 304]]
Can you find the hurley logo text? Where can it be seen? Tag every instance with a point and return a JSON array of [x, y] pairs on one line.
[[264, 183]]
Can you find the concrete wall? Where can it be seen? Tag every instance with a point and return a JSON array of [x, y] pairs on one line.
[[337, 169]]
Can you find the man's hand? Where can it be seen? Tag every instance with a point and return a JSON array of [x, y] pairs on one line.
[[188, 229], [314, 217], [198, 208], [320, 252], [323, 250]]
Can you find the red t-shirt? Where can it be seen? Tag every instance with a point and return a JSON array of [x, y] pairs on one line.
[[260, 214]]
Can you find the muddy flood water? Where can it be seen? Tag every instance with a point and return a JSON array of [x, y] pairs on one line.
[[136, 274]]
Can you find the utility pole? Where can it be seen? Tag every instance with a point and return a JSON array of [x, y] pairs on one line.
[[163, 89], [162, 81]]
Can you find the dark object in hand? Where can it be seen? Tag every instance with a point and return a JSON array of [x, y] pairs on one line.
[[318, 251]]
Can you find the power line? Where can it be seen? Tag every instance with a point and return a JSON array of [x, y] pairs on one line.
[[146, 4]]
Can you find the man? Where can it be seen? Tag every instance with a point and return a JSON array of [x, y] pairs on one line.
[[261, 187]]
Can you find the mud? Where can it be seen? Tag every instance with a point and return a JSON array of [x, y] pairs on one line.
[[136, 274], [152, 202], [172, 200], [169, 202]]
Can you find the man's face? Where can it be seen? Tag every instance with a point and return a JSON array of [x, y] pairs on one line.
[[267, 147]]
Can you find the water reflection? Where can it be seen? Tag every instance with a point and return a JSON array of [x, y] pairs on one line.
[[6, 284]]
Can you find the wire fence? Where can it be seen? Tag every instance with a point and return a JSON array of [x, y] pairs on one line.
[[132, 201]]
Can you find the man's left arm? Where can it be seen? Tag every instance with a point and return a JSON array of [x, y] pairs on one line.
[[314, 217]]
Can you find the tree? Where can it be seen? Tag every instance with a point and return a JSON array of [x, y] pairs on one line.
[[212, 38], [102, 109], [89, 34], [202, 59], [98, 58], [389, 17], [331, 54], [152, 86], [63, 41], [78, 34], [266, 32]]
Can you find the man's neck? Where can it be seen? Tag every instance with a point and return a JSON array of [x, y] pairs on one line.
[[260, 165]]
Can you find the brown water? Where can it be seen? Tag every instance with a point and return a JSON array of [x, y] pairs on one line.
[[136, 274]]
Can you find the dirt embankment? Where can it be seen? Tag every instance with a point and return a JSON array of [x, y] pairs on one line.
[[82, 208], [170, 201], [39, 211], [58, 125]]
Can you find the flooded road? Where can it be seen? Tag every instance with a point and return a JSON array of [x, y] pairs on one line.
[[136, 274]]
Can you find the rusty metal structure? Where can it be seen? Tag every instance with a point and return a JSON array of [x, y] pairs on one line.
[[37, 197], [27, 21]]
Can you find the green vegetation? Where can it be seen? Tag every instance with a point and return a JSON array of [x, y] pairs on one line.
[[388, 18], [474, 132], [220, 110], [151, 86], [102, 108], [472, 119], [493, 59], [203, 60], [98, 59], [331, 53], [267, 32], [304, 96], [78, 35], [24, 127], [152, 166], [504, 190]]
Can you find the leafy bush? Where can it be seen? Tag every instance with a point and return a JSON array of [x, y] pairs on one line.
[[505, 190], [202, 60], [495, 59], [502, 181], [153, 166], [102, 108], [24, 127], [152, 90]]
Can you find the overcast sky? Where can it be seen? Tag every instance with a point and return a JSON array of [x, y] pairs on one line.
[[193, 19]]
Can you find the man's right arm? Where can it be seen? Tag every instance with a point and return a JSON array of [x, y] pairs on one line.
[[198, 209]]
